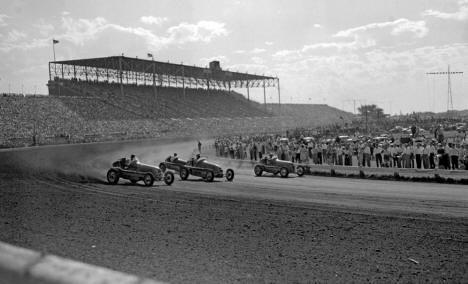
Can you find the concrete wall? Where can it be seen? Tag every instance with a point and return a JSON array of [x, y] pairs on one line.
[[24, 266]]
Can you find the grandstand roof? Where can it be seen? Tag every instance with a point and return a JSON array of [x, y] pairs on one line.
[[158, 67]]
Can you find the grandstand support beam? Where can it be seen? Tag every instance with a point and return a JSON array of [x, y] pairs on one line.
[[154, 80], [248, 93], [279, 94], [120, 76], [50, 74], [264, 94], [183, 80]]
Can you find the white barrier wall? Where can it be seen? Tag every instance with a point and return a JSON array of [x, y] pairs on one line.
[[24, 266]]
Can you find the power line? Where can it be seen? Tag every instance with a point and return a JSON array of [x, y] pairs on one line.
[[449, 85]]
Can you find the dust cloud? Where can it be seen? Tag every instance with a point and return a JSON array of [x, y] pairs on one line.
[[89, 162]]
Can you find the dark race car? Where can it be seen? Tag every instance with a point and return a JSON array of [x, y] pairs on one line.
[[197, 167], [274, 165], [136, 172], [172, 163]]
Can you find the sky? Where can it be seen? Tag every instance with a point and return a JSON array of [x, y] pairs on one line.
[[344, 53]]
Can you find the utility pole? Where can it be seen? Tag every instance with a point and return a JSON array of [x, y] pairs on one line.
[[354, 104], [449, 85], [367, 128]]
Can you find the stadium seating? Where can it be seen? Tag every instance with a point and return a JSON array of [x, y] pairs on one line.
[[77, 111], [166, 102]]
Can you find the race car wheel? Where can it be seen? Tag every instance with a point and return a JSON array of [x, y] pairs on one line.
[[112, 177], [162, 167], [168, 178], [209, 176], [300, 171], [284, 172], [148, 180], [258, 170], [229, 174], [184, 174]]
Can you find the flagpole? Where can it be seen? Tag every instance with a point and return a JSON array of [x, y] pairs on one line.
[[53, 48], [55, 65]]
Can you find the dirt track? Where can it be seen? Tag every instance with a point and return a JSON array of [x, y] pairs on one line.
[[256, 229]]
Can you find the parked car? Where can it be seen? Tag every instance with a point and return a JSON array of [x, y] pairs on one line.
[[274, 165], [136, 172]]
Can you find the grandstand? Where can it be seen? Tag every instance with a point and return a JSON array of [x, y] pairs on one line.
[[319, 114], [140, 101], [115, 98]]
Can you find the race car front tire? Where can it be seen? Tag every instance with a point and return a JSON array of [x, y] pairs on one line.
[[209, 176], [258, 170], [148, 180], [229, 174], [184, 174], [300, 171], [112, 176], [284, 172], [168, 178]]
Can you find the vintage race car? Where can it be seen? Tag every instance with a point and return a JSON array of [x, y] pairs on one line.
[[172, 164], [274, 165], [197, 167], [136, 172]]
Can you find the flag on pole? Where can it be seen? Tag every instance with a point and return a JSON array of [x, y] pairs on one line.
[[150, 55], [54, 41]]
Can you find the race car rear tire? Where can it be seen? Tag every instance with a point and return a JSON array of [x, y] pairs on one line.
[[112, 177], [258, 170], [284, 172], [162, 166], [148, 180], [184, 174], [300, 171], [168, 178], [209, 176], [229, 174]]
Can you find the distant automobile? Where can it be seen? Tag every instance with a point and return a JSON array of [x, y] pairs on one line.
[[307, 140], [196, 167], [137, 172], [274, 165]]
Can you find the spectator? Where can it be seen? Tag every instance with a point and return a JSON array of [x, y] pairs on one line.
[[418, 154], [378, 155]]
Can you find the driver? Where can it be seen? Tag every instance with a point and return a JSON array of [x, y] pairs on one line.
[[173, 158], [133, 161], [270, 158]]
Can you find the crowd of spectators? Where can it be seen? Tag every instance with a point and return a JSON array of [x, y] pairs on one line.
[[387, 150], [164, 102], [80, 111]]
